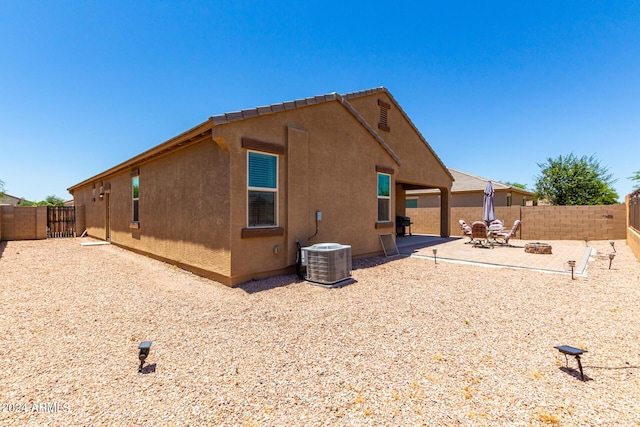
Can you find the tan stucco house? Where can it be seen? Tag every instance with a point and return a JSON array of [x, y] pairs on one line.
[[229, 198], [468, 191], [10, 200]]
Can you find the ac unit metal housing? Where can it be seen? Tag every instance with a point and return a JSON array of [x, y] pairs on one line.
[[327, 263]]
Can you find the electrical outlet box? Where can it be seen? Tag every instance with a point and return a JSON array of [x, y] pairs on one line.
[[318, 216]]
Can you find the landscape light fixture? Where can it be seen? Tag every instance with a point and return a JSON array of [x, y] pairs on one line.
[[567, 350], [144, 348], [611, 257], [572, 264], [586, 240], [613, 245], [435, 253]]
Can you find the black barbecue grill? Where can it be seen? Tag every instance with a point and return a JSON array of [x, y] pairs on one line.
[[402, 222]]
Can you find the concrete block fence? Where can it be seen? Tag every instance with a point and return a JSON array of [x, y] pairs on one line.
[[606, 222], [23, 222]]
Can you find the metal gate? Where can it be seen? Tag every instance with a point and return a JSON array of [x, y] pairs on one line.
[[61, 221]]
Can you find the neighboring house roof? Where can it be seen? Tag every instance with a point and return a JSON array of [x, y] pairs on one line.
[[466, 182], [204, 129], [8, 199]]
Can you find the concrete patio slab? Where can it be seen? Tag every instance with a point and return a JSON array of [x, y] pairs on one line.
[[456, 249]]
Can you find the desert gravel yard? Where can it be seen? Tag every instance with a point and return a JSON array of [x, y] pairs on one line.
[[409, 343]]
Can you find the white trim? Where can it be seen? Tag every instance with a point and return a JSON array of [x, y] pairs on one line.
[[134, 199], [263, 189], [383, 197]]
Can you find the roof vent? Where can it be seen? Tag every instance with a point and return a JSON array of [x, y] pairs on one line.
[[384, 110]]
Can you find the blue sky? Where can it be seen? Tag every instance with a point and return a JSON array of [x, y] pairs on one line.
[[495, 87]]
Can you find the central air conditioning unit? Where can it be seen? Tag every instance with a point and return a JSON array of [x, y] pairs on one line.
[[327, 263]]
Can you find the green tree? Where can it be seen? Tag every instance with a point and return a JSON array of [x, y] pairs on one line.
[[570, 180], [49, 201], [53, 201], [2, 194], [636, 178], [514, 184]]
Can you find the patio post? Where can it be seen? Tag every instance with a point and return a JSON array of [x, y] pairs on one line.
[[445, 212]]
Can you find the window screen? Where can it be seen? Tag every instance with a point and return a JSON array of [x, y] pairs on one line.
[[411, 203], [384, 197], [135, 193], [262, 189]]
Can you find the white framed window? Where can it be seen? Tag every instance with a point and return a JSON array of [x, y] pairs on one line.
[[384, 197], [135, 196], [262, 189]]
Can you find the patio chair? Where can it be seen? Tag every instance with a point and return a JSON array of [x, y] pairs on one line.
[[505, 236], [479, 234], [495, 227], [466, 230]]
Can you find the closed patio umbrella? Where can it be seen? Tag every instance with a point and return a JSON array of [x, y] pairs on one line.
[[488, 211]]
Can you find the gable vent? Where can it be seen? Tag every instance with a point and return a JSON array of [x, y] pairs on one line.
[[384, 119]]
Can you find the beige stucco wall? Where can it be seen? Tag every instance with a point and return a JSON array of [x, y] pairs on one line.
[[23, 222], [419, 165], [538, 222], [193, 201], [329, 166], [184, 209]]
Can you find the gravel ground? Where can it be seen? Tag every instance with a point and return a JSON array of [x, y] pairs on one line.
[[409, 343]]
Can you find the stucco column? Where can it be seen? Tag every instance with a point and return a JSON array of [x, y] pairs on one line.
[[445, 212], [401, 203]]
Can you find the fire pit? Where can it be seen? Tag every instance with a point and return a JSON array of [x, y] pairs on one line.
[[538, 248]]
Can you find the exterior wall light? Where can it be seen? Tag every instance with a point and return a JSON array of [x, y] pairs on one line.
[[611, 257], [144, 348]]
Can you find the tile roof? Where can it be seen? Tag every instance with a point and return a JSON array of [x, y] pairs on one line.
[[303, 102], [221, 119], [270, 109], [467, 182]]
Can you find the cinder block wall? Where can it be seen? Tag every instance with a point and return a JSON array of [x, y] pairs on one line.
[[427, 220], [575, 222], [538, 222], [23, 222]]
